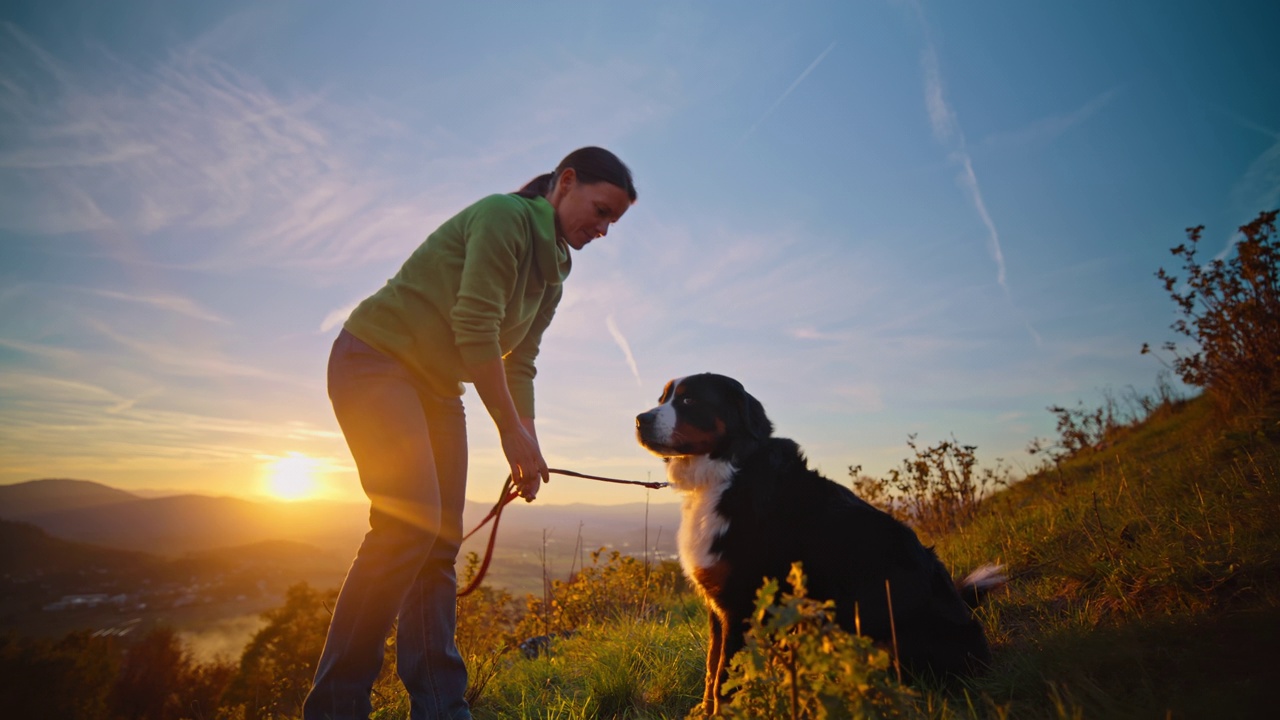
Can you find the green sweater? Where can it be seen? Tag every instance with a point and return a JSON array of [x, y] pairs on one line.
[[482, 286]]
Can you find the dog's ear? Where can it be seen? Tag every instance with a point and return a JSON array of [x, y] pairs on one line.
[[757, 424]]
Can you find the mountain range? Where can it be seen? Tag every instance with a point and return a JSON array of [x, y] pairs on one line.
[[532, 536]]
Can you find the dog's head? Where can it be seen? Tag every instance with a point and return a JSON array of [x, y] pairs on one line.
[[705, 414]]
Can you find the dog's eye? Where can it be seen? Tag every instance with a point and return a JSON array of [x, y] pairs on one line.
[[686, 400]]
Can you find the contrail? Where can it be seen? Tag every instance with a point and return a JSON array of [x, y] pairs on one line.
[[794, 85], [626, 348], [947, 130], [970, 180]]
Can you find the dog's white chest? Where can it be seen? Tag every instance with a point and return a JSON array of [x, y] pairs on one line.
[[702, 482]]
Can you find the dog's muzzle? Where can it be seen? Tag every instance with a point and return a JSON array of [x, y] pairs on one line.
[[653, 429]]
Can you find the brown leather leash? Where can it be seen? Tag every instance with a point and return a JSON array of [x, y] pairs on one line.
[[508, 495]]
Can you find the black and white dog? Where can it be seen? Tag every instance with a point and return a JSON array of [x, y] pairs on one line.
[[752, 507]]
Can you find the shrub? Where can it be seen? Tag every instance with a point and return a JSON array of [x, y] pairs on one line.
[[798, 663], [159, 680], [936, 490], [623, 586], [1231, 309], [487, 620], [68, 678], [1082, 431], [278, 664]]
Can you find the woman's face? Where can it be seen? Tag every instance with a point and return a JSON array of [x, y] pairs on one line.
[[584, 212]]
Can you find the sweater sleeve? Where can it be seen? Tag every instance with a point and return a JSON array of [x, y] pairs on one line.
[[494, 238], [519, 362]]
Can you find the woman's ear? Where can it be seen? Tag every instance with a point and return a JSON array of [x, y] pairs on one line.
[[566, 179], [563, 183]]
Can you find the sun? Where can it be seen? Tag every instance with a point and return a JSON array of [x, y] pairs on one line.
[[292, 477]]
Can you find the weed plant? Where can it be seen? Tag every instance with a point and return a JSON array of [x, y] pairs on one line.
[[798, 663]]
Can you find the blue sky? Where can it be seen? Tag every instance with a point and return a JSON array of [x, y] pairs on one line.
[[885, 217]]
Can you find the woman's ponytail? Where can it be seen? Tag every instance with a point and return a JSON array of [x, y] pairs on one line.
[[537, 187], [591, 165]]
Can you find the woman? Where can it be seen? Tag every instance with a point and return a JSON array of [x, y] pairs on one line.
[[469, 305]]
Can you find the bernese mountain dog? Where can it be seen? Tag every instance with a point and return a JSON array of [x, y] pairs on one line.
[[752, 507]]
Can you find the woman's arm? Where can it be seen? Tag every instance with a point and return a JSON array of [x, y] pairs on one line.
[[519, 441]]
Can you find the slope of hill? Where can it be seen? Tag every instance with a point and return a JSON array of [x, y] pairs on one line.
[[57, 494], [1146, 573], [1145, 583]]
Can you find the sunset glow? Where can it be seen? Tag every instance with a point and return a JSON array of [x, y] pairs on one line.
[[292, 477]]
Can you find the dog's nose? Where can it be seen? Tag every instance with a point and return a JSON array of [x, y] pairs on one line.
[[644, 420]]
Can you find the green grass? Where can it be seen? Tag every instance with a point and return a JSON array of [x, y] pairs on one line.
[[631, 668]]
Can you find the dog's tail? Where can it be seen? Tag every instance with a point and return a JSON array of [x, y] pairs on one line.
[[980, 583]]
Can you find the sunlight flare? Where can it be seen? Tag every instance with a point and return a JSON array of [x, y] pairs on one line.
[[292, 477]]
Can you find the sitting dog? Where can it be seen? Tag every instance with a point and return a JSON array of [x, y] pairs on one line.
[[751, 507]]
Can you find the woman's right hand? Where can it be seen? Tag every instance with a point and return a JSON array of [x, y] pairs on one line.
[[524, 456]]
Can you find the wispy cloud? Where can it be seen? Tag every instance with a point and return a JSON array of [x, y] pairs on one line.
[[202, 163], [94, 422], [790, 88], [337, 317], [941, 116], [1052, 127], [180, 359], [168, 303], [40, 350], [969, 179], [194, 144], [1259, 188], [625, 346]]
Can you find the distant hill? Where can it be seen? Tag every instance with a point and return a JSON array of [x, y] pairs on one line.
[[182, 524], [294, 559], [26, 550], [621, 526], [57, 494], [186, 526], [49, 585]]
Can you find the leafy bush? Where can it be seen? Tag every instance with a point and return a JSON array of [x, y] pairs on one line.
[[159, 680], [935, 491], [278, 664], [1231, 309], [1081, 430], [623, 586], [487, 620], [69, 678], [798, 663]]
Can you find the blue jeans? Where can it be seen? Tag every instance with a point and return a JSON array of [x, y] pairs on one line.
[[410, 448]]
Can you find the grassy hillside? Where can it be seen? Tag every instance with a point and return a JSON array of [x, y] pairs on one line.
[[1146, 583], [1147, 573]]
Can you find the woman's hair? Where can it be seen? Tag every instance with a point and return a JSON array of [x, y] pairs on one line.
[[591, 165]]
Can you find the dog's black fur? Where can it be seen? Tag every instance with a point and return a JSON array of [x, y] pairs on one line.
[[772, 510]]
